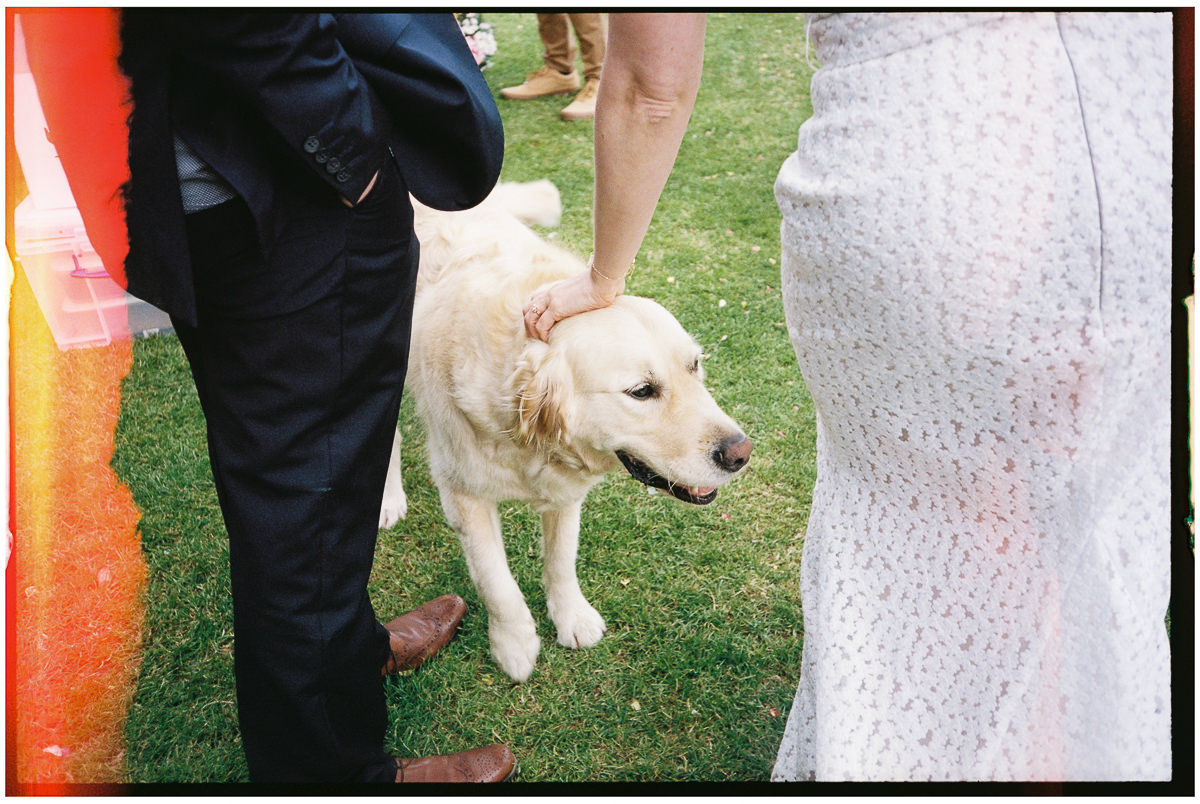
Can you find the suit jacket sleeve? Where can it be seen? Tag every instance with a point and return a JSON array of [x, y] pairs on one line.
[[292, 69]]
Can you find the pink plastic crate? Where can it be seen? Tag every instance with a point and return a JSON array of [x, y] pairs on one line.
[[83, 306]]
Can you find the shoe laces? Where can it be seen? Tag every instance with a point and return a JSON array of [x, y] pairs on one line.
[[590, 89], [545, 69]]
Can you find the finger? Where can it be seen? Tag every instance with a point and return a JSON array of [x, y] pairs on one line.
[[535, 310], [539, 298], [544, 324]]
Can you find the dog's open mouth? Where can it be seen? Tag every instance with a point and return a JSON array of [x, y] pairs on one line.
[[644, 474]]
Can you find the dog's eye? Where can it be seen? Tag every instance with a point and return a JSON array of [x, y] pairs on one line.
[[644, 391]]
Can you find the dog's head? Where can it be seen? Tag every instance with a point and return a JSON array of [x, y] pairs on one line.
[[626, 382]]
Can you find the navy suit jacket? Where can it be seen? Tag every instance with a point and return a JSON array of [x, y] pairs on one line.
[[294, 110]]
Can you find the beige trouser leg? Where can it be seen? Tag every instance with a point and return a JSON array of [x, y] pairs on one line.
[[556, 38], [555, 32], [592, 31]]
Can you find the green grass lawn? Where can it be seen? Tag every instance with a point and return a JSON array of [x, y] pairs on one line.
[[694, 679]]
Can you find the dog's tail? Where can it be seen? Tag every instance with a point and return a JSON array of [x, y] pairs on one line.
[[456, 238], [531, 202]]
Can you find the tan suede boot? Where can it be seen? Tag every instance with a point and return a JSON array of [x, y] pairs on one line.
[[543, 82], [584, 105]]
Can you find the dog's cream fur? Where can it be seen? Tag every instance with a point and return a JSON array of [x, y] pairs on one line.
[[510, 417]]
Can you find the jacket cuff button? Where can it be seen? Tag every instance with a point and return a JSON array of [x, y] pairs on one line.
[[343, 176], [311, 145]]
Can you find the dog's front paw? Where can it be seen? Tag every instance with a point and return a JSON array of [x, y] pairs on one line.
[[395, 507], [395, 501], [515, 648], [579, 625]]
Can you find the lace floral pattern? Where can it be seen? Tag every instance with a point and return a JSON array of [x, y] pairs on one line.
[[976, 260]]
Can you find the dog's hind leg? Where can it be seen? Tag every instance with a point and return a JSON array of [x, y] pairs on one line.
[[395, 502], [511, 630], [579, 625]]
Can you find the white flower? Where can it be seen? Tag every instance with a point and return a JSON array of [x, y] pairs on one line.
[[480, 38]]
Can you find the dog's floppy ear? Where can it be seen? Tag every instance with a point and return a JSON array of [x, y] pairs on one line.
[[542, 396]]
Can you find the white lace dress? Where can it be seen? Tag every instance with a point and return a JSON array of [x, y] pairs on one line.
[[976, 262]]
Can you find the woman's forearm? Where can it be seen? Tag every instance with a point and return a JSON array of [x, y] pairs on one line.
[[651, 76]]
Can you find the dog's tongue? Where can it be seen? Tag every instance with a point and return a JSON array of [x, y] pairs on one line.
[[700, 492]]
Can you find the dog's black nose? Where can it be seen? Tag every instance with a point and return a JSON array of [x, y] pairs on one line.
[[732, 454]]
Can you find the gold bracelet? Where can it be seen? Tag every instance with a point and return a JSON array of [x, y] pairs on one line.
[[592, 267]]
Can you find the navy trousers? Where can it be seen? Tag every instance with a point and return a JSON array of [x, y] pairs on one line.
[[299, 359]]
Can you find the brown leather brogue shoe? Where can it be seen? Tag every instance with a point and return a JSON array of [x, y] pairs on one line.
[[492, 763], [422, 632]]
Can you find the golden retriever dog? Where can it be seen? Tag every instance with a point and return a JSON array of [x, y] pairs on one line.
[[510, 417]]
